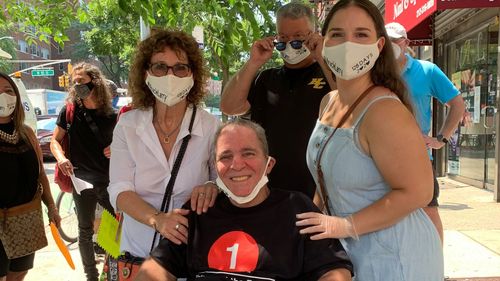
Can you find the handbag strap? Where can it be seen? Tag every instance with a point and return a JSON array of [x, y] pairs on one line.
[[321, 180], [173, 175], [93, 127], [70, 112]]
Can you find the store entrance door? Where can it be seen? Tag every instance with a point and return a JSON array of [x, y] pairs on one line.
[[473, 61]]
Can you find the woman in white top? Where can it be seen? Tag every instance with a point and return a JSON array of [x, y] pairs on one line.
[[166, 85]]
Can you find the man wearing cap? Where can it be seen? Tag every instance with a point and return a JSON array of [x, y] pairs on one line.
[[284, 100], [426, 81]]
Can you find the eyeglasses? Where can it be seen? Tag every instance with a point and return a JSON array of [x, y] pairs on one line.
[[161, 69], [281, 46]]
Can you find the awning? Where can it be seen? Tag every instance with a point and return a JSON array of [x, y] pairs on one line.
[[414, 15]]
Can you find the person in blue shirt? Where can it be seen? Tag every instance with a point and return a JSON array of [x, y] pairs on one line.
[[426, 81]]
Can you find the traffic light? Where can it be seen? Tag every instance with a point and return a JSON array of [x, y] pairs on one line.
[[66, 80], [61, 81], [70, 68]]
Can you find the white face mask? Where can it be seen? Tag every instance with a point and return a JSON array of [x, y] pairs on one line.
[[169, 89], [244, 199], [293, 56], [350, 60], [397, 50], [7, 104]]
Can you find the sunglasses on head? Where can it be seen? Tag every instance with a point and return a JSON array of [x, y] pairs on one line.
[[281, 46]]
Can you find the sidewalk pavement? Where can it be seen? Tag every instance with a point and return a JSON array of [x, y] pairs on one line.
[[471, 239], [472, 231]]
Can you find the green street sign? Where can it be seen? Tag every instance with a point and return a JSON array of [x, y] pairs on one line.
[[42, 72]]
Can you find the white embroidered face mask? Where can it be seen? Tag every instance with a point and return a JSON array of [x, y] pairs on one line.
[[170, 89], [7, 104], [244, 199], [397, 50], [350, 60], [294, 56]]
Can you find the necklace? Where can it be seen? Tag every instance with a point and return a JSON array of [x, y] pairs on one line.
[[166, 138], [13, 139]]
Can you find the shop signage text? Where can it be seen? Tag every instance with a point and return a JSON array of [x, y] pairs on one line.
[[460, 4], [408, 12]]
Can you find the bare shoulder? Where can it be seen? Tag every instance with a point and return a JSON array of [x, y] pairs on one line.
[[388, 111], [326, 99]]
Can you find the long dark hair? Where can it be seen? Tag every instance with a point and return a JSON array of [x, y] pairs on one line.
[[385, 71]]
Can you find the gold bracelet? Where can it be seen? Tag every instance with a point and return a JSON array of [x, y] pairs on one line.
[[154, 223]]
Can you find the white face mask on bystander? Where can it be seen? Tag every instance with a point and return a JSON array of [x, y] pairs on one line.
[[170, 89], [350, 60], [7, 104], [397, 50], [294, 56]]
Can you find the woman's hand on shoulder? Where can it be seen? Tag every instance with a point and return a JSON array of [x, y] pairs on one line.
[[322, 226], [203, 197], [172, 225]]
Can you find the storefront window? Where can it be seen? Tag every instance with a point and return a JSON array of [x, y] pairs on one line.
[[472, 63]]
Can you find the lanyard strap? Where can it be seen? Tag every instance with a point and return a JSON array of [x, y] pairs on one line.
[[173, 175], [321, 180]]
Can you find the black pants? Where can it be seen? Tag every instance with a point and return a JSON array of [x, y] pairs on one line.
[[86, 204]]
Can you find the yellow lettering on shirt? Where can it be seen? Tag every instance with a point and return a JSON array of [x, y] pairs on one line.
[[317, 83]]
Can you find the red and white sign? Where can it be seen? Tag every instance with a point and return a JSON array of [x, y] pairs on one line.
[[460, 4], [408, 13]]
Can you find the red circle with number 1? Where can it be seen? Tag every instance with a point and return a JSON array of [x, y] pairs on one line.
[[235, 251]]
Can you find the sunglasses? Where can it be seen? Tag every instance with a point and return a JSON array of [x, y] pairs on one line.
[[281, 46], [160, 69]]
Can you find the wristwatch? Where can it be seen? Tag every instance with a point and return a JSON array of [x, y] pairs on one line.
[[440, 138]]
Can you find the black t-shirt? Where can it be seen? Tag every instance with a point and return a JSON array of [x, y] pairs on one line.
[[18, 169], [285, 102], [231, 243], [85, 150]]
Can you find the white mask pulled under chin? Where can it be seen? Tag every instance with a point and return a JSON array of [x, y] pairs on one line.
[[293, 56], [169, 89], [244, 199]]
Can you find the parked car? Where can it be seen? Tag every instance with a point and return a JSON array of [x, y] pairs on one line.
[[46, 125]]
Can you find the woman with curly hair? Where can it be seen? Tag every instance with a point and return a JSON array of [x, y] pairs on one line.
[[166, 83], [90, 133]]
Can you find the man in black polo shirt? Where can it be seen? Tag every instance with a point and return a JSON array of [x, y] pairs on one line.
[[285, 101], [250, 234]]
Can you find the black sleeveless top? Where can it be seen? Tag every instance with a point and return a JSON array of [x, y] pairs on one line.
[[18, 171]]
